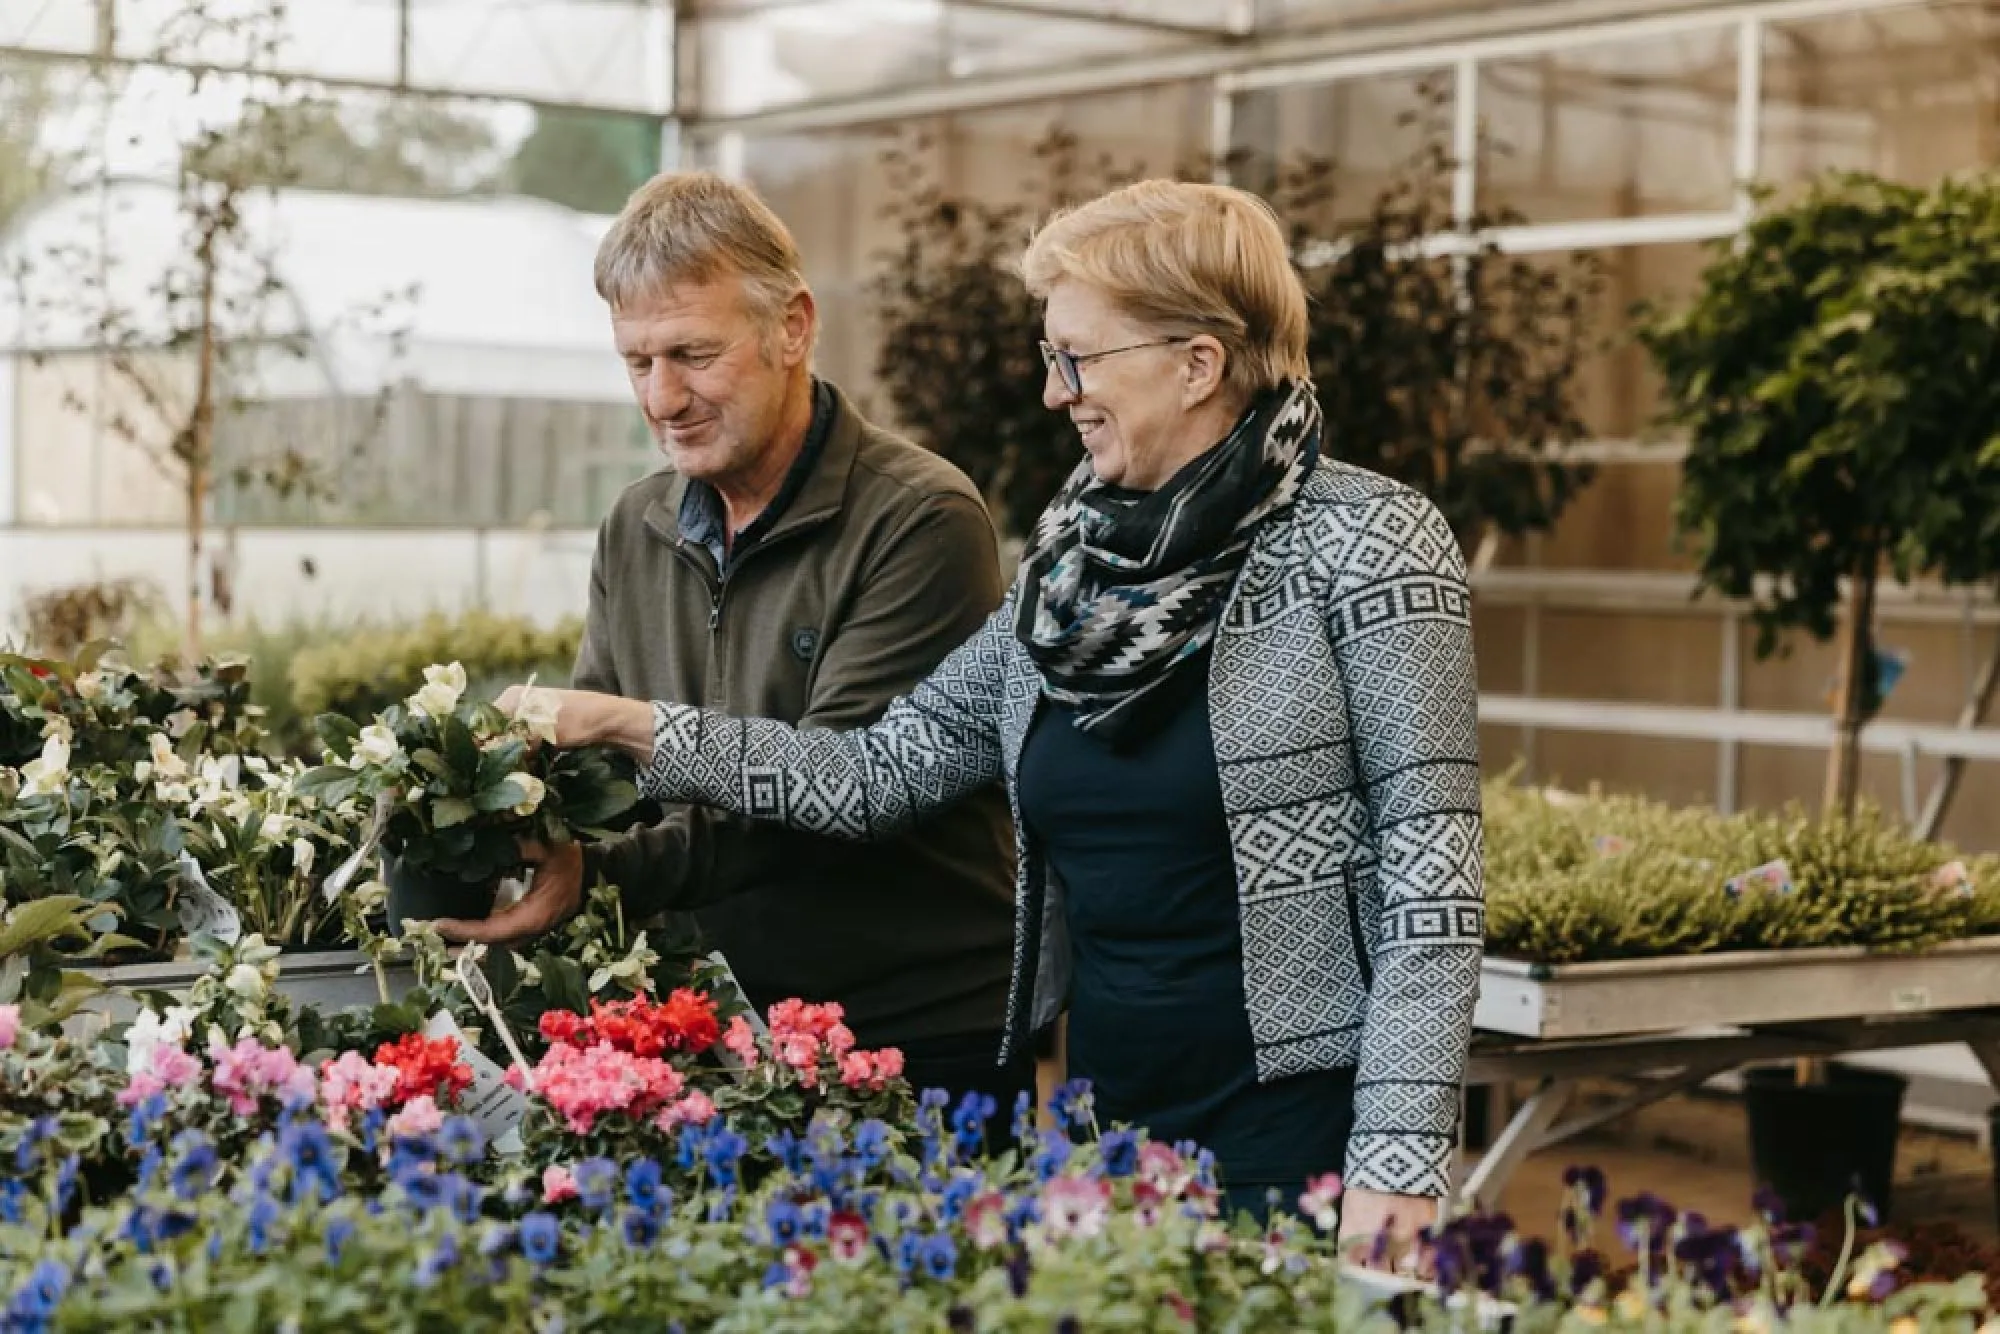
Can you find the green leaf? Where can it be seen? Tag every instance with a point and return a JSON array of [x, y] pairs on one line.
[[449, 811], [461, 751], [502, 796], [337, 732]]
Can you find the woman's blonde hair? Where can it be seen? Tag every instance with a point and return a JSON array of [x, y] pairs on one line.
[[1186, 258]]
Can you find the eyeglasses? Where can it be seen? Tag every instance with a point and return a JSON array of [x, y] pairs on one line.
[[1070, 366]]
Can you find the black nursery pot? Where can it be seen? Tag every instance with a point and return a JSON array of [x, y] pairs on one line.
[[1813, 1143], [424, 894]]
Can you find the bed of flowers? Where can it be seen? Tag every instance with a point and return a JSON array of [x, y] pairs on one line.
[[664, 1167]]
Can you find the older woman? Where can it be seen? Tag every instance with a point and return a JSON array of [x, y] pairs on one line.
[[1231, 696]]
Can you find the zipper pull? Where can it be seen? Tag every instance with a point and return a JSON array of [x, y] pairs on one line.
[[715, 612]]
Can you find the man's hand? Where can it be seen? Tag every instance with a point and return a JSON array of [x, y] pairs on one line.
[[554, 894], [1366, 1214], [585, 718]]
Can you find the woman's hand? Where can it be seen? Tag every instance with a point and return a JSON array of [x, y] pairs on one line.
[[1366, 1214], [571, 718]]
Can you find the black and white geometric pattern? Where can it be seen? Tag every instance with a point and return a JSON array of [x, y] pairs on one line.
[[1342, 691]]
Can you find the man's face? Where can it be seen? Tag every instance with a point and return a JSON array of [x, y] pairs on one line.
[[710, 378]]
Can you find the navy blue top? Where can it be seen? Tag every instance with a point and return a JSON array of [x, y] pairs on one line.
[[1157, 1017]]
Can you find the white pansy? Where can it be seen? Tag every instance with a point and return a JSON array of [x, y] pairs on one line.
[[89, 685], [443, 685], [49, 773], [377, 745], [533, 789], [302, 856], [166, 763], [246, 981], [537, 713]]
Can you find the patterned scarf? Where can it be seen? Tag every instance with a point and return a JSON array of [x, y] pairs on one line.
[[1120, 590]]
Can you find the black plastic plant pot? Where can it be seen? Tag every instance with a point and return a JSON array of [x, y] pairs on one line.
[[424, 894], [1815, 1143]]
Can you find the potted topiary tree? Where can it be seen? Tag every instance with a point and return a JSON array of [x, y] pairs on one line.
[[1835, 379]]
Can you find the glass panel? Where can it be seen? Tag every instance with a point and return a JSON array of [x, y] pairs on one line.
[[1568, 132], [601, 53], [613, 54], [1909, 93], [1368, 127], [64, 27], [845, 48]]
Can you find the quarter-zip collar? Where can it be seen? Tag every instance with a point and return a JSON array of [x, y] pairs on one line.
[[812, 493]]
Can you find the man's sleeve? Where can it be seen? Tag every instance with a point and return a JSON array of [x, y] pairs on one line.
[[927, 589]]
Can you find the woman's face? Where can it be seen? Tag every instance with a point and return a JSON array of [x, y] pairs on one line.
[[1132, 414]]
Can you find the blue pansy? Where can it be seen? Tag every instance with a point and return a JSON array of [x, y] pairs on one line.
[[642, 1186], [461, 1140], [939, 1257], [596, 1183], [1119, 1152], [338, 1232], [264, 1215], [871, 1143], [641, 1227], [540, 1237], [781, 1217], [438, 1262]]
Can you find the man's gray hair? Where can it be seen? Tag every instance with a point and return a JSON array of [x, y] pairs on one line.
[[695, 227]]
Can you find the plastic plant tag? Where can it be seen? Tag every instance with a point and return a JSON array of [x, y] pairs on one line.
[[1770, 878], [730, 1061], [343, 875], [202, 911], [498, 1106], [1610, 845], [473, 978]]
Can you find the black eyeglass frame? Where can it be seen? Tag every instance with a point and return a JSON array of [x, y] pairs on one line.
[[1069, 365]]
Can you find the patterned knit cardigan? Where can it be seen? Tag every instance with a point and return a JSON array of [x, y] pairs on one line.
[[1345, 717]]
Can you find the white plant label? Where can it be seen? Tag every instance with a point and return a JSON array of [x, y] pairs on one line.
[[202, 911], [491, 1100], [343, 875]]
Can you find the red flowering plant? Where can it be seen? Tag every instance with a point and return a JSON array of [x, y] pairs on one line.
[[630, 1076]]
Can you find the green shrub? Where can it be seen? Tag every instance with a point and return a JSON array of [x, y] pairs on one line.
[[363, 672], [1600, 877]]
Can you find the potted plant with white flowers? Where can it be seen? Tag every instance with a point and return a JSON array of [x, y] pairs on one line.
[[458, 788]]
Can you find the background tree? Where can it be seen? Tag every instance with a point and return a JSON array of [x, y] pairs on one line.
[[379, 146], [1447, 366], [202, 335], [1838, 377], [586, 160]]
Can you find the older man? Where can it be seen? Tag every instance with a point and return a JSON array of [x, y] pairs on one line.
[[798, 563]]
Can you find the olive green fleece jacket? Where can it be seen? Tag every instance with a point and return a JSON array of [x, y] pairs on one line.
[[884, 561]]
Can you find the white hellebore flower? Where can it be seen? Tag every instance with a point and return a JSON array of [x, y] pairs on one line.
[[537, 712], [48, 774], [59, 726], [442, 688], [376, 746], [535, 790], [274, 827], [302, 856], [166, 764], [152, 1029], [179, 721], [246, 981], [89, 685]]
